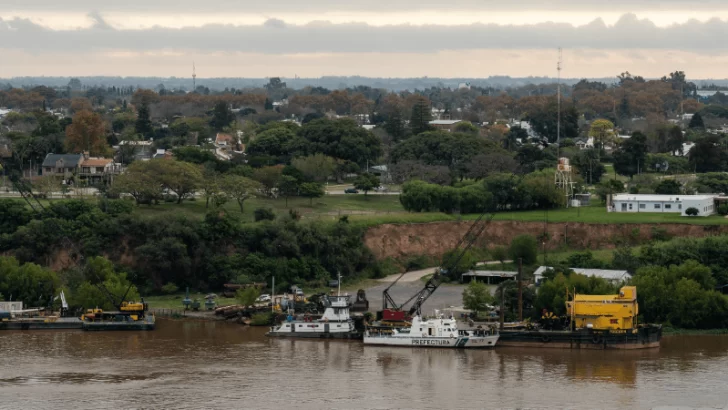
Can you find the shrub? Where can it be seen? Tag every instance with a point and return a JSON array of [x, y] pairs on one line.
[[115, 206], [264, 214], [262, 319], [692, 211], [170, 288], [723, 209]]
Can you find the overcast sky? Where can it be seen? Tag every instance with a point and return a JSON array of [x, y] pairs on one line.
[[393, 38]]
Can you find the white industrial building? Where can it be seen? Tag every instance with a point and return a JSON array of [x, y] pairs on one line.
[[614, 277], [705, 204]]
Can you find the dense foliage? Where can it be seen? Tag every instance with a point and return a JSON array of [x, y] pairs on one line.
[[185, 252]]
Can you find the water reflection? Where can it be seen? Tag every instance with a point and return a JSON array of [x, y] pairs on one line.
[[208, 364]]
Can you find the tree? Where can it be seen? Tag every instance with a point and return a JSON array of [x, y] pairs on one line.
[[143, 124], [477, 297], [707, 155], [629, 158], [268, 177], [525, 247], [395, 125], [247, 296], [609, 187], [603, 132], [342, 139], [466, 127], [287, 186], [311, 190], [317, 167], [240, 188], [499, 253], [138, 182], [280, 143], [588, 164], [209, 184], [544, 121], [668, 187], [696, 122], [180, 177], [87, 132], [421, 116], [366, 182], [222, 116]]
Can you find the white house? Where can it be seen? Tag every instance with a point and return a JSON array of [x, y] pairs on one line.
[[613, 276], [705, 204]]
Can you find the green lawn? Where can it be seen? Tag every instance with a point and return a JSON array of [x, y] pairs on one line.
[[331, 206]]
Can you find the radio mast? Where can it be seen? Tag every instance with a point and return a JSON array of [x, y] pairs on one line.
[[558, 99], [194, 78]]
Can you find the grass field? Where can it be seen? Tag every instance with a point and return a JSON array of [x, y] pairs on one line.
[[373, 210], [331, 206]]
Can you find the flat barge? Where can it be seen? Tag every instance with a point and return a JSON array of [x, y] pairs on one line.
[[42, 323], [646, 337]]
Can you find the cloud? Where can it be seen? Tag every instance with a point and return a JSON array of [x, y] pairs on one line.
[[278, 37], [254, 6]]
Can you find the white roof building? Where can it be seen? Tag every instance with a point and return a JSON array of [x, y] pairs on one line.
[[653, 203], [613, 276]]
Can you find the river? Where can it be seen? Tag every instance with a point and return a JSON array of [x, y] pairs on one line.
[[188, 364]]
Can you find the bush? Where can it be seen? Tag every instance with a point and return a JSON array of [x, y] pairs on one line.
[[723, 209], [262, 319], [264, 214], [170, 288], [247, 297], [115, 206], [692, 211]]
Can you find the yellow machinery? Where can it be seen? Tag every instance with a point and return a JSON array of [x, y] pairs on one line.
[[605, 312]]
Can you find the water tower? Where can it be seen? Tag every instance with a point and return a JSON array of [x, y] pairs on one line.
[[563, 179]]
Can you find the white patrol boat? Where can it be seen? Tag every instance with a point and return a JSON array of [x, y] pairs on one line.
[[437, 332], [334, 324]]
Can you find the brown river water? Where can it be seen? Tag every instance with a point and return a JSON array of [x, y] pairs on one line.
[[196, 365]]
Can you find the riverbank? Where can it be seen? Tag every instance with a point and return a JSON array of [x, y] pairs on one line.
[[671, 331]]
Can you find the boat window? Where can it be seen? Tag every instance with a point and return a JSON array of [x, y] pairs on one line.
[[288, 325]]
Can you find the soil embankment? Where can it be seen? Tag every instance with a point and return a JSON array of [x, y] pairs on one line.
[[433, 239]]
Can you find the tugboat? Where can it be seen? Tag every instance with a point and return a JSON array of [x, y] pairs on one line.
[[592, 322], [437, 332], [335, 323]]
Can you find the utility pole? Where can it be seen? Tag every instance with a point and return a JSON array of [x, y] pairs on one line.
[[502, 306], [558, 99], [520, 289]]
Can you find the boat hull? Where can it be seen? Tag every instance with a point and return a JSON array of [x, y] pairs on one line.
[[642, 338], [147, 323], [317, 335], [461, 342]]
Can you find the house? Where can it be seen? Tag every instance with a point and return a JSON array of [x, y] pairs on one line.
[[382, 171], [614, 277], [445, 125], [582, 143], [705, 204], [139, 150], [88, 169]]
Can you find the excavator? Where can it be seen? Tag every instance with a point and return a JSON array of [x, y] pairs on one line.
[[398, 315]]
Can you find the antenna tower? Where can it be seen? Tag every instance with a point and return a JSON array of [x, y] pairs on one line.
[[194, 78], [558, 99]]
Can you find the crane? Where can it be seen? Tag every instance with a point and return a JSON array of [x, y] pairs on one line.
[[26, 192], [396, 312]]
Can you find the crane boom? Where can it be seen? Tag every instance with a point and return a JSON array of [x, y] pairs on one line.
[[465, 243]]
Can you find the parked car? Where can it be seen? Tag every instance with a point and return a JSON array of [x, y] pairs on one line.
[[351, 191], [381, 188], [263, 298]]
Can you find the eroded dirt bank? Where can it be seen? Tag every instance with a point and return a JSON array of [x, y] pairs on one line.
[[395, 240]]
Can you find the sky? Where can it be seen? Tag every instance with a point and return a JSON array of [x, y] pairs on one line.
[[376, 38]]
